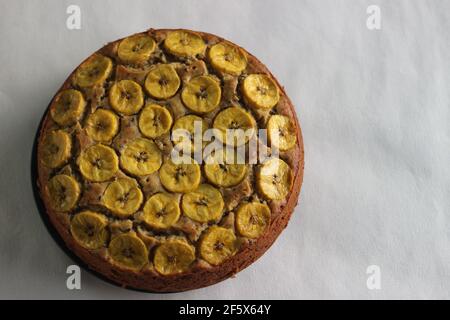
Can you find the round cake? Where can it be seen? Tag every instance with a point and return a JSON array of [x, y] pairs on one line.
[[169, 160]]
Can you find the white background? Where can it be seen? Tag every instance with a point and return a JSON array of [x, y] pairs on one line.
[[375, 111]]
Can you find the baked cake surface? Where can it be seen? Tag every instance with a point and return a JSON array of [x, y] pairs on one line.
[[114, 191]]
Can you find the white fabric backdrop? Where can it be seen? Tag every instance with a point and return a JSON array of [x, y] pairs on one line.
[[373, 105]]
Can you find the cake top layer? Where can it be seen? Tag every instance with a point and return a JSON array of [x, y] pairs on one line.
[[168, 151]]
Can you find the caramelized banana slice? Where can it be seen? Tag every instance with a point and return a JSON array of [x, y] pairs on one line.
[[252, 219], [128, 251], [102, 125], [203, 204], [123, 197], [161, 211], [217, 245], [281, 132], [237, 123], [136, 49], [173, 256], [227, 58], [184, 43], [260, 91], [67, 107], [162, 81], [89, 229], [98, 163], [94, 71], [141, 157], [187, 124], [223, 173], [201, 94], [56, 149], [183, 177], [64, 192], [274, 179], [126, 97], [155, 121]]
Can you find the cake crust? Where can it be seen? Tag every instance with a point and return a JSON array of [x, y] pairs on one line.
[[201, 274]]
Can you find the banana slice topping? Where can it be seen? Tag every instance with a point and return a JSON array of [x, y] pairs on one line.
[[98, 163], [56, 149], [123, 197], [162, 82], [281, 132], [260, 91], [274, 179], [184, 43], [102, 125], [141, 157], [184, 128], [161, 211], [173, 257], [67, 107], [155, 121], [94, 71], [128, 251], [224, 172], [64, 192], [136, 49], [227, 58], [182, 177], [89, 229], [126, 97], [201, 94], [218, 244], [203, 204], [252, 219], [236, 126]]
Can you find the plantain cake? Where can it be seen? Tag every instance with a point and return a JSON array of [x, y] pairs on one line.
[[112, 189]]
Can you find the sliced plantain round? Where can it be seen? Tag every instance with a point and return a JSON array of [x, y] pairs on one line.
[[155, 120], [173, 257], [126, 97], [201, 94], [98, 163], [94, 71], [162, 81], [224, 172], [64, 192], [252, 219], [184, 43], [102, 125], [236, 126], [218, 244], [141, 157], [203, 204], [123, 197], [183, 131], [274, 179], [227, 58], [89, 229], [260, 91], [56, 149], [67, 107], [161, 211], [281, 132], [182, 177], [136, 49], [128, 251]]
